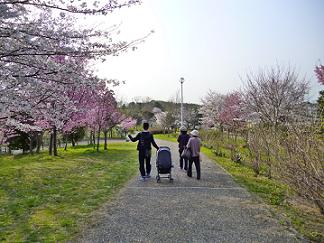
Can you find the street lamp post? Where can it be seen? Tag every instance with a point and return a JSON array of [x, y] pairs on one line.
[[181, 81]]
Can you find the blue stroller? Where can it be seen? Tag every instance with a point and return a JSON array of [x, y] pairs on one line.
[[164, 163]]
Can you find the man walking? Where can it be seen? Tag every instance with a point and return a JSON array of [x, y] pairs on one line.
[[145, 139]]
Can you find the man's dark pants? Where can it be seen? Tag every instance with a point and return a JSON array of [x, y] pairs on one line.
[[195, 160], [144, 156]]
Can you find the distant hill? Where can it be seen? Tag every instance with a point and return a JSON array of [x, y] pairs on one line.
[[146, 110]]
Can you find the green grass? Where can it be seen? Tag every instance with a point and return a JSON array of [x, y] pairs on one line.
[[172, 137], [307, 221], [48, 199], [271, 191]]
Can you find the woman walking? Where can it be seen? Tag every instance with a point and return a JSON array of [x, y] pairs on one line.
[[183, 140], [194, 144]]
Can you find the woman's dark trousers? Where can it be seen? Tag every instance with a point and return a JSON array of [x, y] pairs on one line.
[[197, 165], [183, 162], [143, 156]]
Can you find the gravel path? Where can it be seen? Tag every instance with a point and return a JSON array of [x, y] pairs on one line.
[[214, 209]]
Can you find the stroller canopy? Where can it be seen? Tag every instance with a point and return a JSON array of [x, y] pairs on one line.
[[164, 158]]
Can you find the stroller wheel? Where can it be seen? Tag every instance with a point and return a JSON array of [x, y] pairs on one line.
[[171, 180]]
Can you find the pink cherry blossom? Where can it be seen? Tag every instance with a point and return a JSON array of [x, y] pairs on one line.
[[319, 70]]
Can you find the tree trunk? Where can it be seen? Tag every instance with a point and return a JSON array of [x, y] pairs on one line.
[[319, 203], [50, 147], [66, 142], [106, 136], [38, 142], [111, 133], [73, 141], [54, 141], [269, 172], [91, 140], [94, 136], [98, 139], [31, 136]]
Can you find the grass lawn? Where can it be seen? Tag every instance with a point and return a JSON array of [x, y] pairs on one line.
[[172, 137], [307, 220], [48, 199]]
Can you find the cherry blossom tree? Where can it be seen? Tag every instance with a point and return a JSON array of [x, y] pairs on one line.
[[127, 124], [319, 71], [29, 130], [161, 120], [276, 94], [112, 119], [192, 117], [44, 58], [84, 100], [211, 108], [231, 110], [104, 111]]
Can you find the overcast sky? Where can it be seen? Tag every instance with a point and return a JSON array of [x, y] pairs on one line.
[[212, 43]]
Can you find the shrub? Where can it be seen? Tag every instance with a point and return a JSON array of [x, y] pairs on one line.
[[160, 131], [300, 163], [20, 141]]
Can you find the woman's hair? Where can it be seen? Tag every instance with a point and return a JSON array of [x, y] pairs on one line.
[[146, 125]]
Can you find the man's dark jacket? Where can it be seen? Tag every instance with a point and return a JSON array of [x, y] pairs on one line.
[[145, 139]]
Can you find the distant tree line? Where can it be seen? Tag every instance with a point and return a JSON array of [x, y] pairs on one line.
[[163, 115]]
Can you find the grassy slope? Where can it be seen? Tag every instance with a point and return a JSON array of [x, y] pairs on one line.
[[45, 198], [274, 193]]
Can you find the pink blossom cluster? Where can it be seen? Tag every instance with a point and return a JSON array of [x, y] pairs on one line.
[[46, 80], [221, 110], [319, 70], [231, 109], [128, 123]]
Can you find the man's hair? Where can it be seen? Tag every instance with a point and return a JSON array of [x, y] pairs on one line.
[[146, 125]]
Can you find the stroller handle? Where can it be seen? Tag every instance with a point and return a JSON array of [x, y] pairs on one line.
[[163, 147]]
